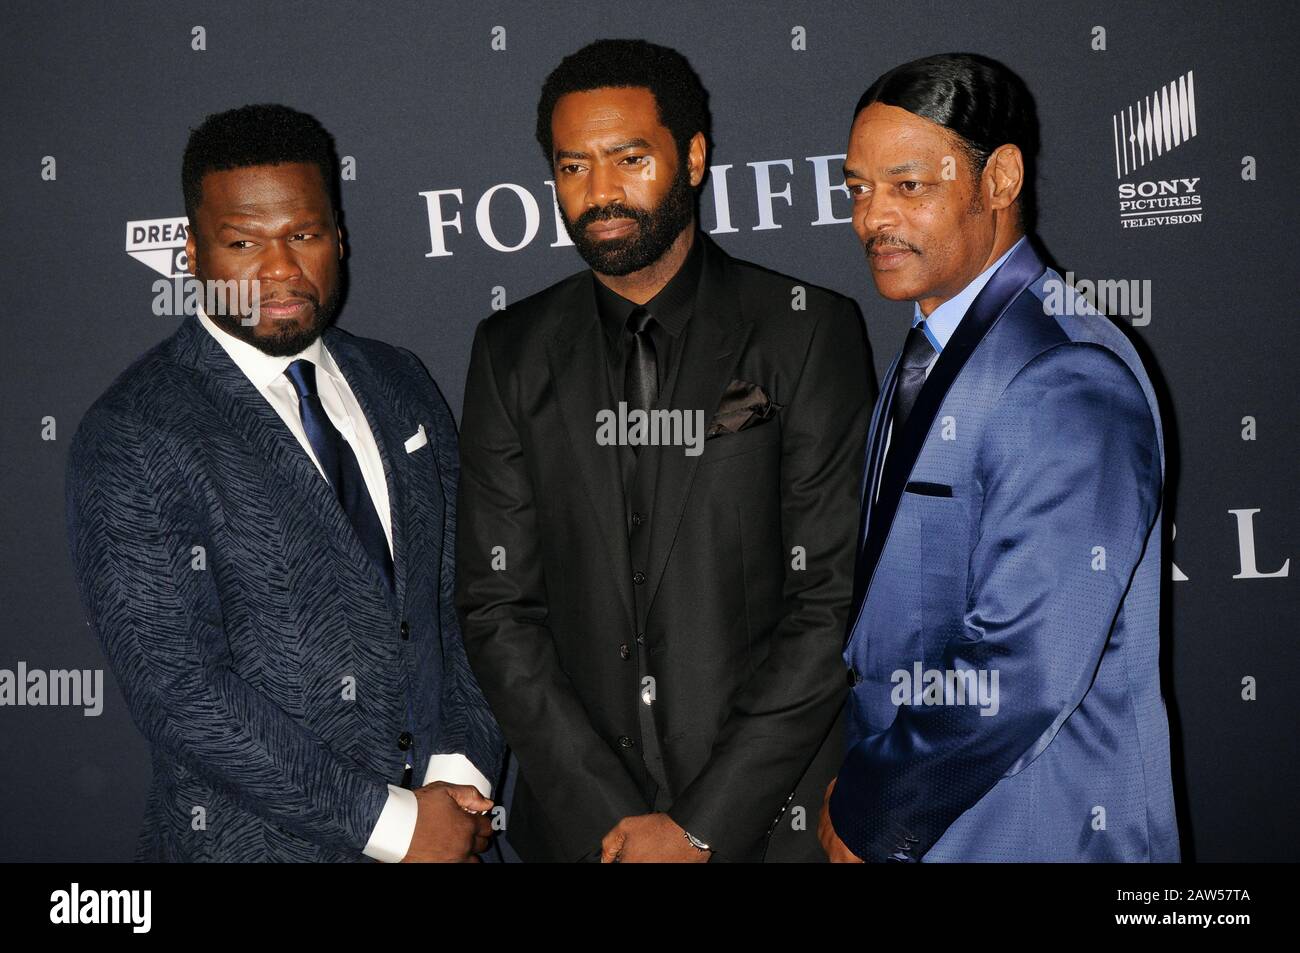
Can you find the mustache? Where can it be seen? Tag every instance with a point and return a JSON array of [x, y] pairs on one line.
[[878, 242], [611, 211]]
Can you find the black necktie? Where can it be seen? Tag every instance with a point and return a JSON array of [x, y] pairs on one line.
[[917, 354], [341, 468], [641, 383]]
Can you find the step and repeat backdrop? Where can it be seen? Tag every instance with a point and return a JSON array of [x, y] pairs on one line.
[[1166, 186]]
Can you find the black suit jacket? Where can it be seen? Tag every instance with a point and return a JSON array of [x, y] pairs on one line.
[[735, 571]]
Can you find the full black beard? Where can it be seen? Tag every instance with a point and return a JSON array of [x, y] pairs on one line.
[[657, 229], [289, 340]]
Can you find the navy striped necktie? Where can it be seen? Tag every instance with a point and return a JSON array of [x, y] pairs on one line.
[[341, 468]]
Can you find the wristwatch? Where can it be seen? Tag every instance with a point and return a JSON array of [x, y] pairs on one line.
[[696, 842]]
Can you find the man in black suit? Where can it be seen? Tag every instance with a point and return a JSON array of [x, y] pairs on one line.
[[658, 502]]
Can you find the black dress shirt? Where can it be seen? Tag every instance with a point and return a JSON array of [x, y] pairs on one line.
[[671, 309]]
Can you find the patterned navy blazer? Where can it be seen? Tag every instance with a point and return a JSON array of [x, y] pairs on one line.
[[259, 650]]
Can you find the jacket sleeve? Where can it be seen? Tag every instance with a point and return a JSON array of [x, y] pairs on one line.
[[583, 787], [1071, 475], [131, 532], [468, 726], [781, 715]]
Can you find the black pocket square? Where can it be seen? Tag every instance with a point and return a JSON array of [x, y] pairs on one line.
[[743, 405], [929, 489]]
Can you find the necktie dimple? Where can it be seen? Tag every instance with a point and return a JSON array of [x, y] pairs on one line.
[[917, 354], [341, 468]]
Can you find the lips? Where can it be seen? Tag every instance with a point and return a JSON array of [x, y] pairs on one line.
[[611, 228], [283, 307], [888, 258]]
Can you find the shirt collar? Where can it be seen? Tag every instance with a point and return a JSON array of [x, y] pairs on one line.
[[943, 321], [263, 369], [671, 307]]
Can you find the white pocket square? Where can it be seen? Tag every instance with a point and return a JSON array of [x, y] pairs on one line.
[[416, 440]]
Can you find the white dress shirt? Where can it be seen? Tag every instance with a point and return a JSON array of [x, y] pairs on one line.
[[939, 327], [391, 837]]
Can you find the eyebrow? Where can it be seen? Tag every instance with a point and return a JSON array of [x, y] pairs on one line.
[[612, 150], [913, 166], [254, 229]]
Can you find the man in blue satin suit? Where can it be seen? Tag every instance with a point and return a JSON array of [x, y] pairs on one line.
[[1004, 636]]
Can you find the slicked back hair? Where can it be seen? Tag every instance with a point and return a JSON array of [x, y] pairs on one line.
[[978, 99]]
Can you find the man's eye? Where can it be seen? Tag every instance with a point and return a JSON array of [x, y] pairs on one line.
[[302, 236], [858, 189], [570, 169], [910, 186], [239, 244], [637, 160]]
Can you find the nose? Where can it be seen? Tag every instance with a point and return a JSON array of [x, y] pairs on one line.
[[279, 263], [877, 213], [603, 185]]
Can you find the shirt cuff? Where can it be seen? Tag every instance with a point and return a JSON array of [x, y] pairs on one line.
[[391, 838], [456, 769]]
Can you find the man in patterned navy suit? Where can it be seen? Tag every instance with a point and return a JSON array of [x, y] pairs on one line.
[[1004, 643], [261, 513]]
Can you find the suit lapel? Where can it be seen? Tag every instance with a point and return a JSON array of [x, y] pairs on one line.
[[579, 372], [1017, 273], [870, 474], [715, 338], [254, 419], [388, 416]]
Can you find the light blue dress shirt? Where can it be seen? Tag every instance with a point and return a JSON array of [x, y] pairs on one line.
[[941, 324], [943, 321]]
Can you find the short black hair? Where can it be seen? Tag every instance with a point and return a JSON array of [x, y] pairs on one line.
[[681, 98], [256, 134], [978, 99]]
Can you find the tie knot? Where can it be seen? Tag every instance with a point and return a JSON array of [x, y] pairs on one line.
[[917, 349], [639, 320], [302, 373]]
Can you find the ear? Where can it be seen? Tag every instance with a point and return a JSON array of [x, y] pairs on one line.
[[696, 156], [1004, 176], [191, 250], [338, 231]]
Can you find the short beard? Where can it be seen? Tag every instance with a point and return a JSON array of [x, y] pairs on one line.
[[657, 229], [289, 339]]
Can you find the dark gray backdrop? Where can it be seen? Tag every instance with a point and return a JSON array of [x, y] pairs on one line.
[[421, 100]]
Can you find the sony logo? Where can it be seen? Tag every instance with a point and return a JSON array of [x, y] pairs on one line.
[[1146, 190]]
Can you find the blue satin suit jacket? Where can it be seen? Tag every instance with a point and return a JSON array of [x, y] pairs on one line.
[[1004, 639]]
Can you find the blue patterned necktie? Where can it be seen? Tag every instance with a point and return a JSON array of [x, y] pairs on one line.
[[341, 468]]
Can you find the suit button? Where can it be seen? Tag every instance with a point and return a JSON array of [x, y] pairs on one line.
[[405, 629], [853, 677], [624, 741], [624, 651], [637, 519], [638, 577], [404, 740], [640, 638]]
